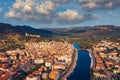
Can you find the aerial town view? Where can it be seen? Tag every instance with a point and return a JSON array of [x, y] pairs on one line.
[[41, 60], [106, 64], [59, 39]]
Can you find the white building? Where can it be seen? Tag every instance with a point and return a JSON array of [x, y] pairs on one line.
[[38, 61], [33, 77]]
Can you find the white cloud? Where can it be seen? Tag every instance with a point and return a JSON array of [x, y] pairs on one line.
[[46, 8], [109, 5], [90, 6], [60, 2], [68, 15], [29, 10], [72, 16], [99, 4], [44, 11], [0, 10]]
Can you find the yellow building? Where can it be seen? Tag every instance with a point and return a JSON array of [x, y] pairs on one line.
[[54, 74]]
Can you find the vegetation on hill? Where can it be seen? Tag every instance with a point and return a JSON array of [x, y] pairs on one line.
[[9, 30], [12, 37]]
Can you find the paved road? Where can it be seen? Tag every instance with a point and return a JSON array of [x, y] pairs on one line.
[[70, 68], [106, 70], [93, 58]]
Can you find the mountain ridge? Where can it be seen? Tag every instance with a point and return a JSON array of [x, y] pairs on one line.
[[94, 31], [7, 29]]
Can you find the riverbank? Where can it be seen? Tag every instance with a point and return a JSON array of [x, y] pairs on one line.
[[91, 54], [91, 65], [92, 58], [71, 67]]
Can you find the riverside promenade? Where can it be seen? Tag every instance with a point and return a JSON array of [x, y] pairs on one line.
[[69, 70], [91, 54]]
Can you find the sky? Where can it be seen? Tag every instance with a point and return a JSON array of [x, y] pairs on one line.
[[60, 13]]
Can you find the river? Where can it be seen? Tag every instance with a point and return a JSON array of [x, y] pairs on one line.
[[82, 69]]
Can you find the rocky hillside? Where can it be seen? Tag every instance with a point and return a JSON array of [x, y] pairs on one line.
[[9, 30]]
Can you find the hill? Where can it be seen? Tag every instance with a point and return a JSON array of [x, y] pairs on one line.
[[9, 30], [96, 31], [73, 32]]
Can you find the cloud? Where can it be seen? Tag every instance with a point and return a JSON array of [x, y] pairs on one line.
[[44, 11], [89, 5], [62, 1], [72, 17], [0, 10], [30, 10], [46, 8], [68, 15]]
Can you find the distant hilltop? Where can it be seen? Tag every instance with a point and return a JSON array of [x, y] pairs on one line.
[[86, 31], [9, 30]]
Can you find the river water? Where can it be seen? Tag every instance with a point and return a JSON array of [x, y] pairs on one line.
[[82, 69]]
